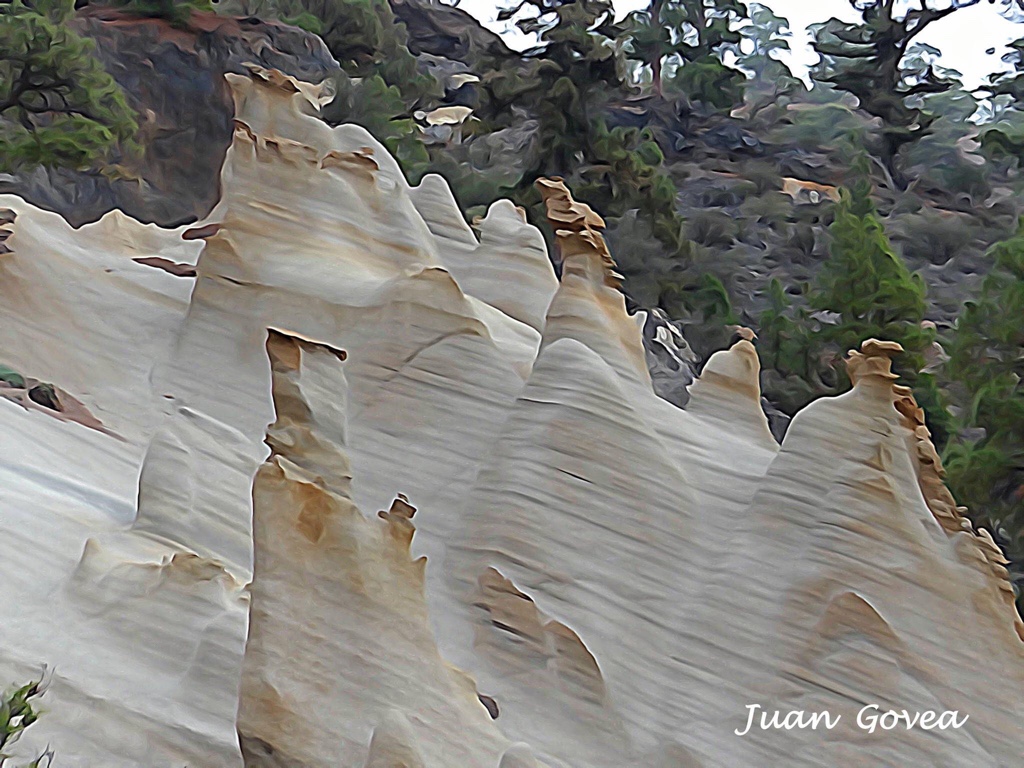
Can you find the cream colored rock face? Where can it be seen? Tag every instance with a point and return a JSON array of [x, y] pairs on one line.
[[188, 545]]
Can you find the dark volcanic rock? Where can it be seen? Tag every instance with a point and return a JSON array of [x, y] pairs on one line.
[[174, 79], [673, 365], [442, 30]]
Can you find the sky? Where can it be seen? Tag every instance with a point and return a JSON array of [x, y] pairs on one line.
[[963, 37]]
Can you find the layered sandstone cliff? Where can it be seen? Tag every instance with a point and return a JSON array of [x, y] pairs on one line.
[[188, 538]]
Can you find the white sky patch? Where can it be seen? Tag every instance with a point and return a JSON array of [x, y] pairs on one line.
[[963, 37]]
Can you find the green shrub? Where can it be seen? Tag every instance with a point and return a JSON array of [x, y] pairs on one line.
[[18, 711]]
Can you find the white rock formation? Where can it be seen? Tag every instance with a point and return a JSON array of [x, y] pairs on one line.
[[339, 642], [616, 579]]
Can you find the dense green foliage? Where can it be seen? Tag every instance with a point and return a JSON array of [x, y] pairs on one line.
[[871, 60], [863, 290], [58, 106], [865, 282], [574, 76], [687, 37], [1003, 136], [986, 366], [569, 83], [873, 293]]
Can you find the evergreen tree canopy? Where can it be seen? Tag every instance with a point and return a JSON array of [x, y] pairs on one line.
[[863, 290], [574, 75], [571, 79], [764, 36], [986, 471], [1003, 136], [363, 35], [58, 106], [687, 37], [864, 280], [1010, 83], [869, 60]]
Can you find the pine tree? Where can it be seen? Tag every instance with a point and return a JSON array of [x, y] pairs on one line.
[[863, 290], [768, 36], [985, 468], [868, 59], [617, 170], [866, 282], [573, 77], [58, 106], [1003, 134], [870, 293], [687, 37]]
